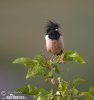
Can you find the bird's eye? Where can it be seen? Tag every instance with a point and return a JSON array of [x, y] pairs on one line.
[[56, 29]]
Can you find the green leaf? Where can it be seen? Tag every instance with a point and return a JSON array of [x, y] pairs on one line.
[[88, 96], [41, 60], [73, 56], [23, 90], [38, 93], [63, 85], [53, 65], [23, 60], [36, 66], [29, 89], [75, 91], [36, 71], [77, 81], [67, 98], [43, 94], [50, 73], [91, 90], [55, 68], [38, 60]]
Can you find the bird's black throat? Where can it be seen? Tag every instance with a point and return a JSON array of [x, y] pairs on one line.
[[54, 35]]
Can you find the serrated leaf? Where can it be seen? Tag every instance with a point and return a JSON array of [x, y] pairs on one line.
[[73, 56], [77, 81], [23, 60]]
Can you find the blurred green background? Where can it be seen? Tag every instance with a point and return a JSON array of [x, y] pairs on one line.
[[22, 31]]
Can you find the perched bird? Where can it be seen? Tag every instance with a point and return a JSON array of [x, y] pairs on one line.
[[54, 40]]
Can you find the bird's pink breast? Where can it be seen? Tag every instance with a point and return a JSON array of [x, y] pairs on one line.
[[54, 46]]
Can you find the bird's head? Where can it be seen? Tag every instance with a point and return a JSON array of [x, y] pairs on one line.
[[52, 26]]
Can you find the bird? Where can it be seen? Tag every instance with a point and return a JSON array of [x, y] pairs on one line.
[[54, 39]]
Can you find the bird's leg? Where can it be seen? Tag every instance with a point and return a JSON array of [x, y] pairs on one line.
[[52, 57], [62, 58]]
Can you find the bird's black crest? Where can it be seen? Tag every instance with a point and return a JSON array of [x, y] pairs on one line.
[[52, 26]]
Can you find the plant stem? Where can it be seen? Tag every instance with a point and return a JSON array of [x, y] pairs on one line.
[[58, 97]]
